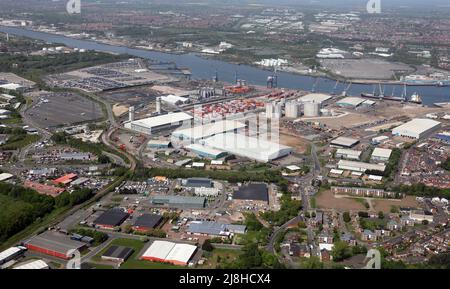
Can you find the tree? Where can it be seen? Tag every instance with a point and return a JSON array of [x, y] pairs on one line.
[[207, 246], [380, 215], [346, 217], [103, 159], [311, 263], [340, 251]]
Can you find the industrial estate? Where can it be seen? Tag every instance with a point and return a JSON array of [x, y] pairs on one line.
[[133, 162]]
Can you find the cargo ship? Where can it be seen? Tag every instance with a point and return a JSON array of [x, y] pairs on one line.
[[415, 97]]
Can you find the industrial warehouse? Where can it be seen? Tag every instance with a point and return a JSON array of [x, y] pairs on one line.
[[252, 192], [248, 147], [54, 244], [360, 166], [344, 142], [158, 123], [117, 254], [206, 152], [179, 201], [215, 229], [147, 222], [416, 128], [196, 133], [112, 218], [169, 252]]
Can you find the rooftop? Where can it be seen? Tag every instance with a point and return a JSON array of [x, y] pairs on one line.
[[148, 220], [54, 241], [113, 217], [344, 141], [207, 130], [319, 97], [417, 125], [381, 153], [257, 192], [215, 228], [164, 119]]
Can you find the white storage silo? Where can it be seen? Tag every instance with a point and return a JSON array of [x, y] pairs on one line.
[[311, 109]]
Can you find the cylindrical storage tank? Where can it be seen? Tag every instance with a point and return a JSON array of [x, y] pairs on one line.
[[158, 105], [131, 113], [311, 109], [278, 111], [269, 109], [292, 109]]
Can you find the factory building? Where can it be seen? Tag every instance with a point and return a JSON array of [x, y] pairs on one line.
[[363, 192], [348, 154], [206, 152], [198, 183], [199, 132], [147, 222], [169, 252], [158, 123], [54, 244], [249, 147], [158, 144], [112, 218], [316, 97], [65, 180], [117, 254], [381, 155], [360, 166], [252, 192], [10, 254], [344, 142], [416, 128], [33, 265], [351, 102], [311, 109], [206, 192], [179, 202], [215, 229]]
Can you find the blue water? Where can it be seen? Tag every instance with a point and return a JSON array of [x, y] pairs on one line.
[[204, 68]]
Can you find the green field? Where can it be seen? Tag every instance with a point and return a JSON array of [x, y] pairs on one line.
[[133, 262], [219, 255]]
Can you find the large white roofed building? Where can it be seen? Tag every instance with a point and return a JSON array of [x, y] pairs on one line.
[[203, 131], [249, 147], [160, 122], [317, 97], [381, 154], [169, 252], [360, 166], [416, 128]]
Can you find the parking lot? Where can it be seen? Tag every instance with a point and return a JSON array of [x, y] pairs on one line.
[[57, 109]]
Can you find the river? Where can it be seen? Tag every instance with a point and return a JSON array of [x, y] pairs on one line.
[[204, 68]]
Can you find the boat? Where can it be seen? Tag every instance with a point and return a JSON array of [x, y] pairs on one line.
[[415, 98]]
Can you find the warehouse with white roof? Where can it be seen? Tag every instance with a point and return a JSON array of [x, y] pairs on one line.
[[350, 102], [416, 128], [348, 154], [381, 154], [199, 132], [317, 97], [206, 152], [157, 123], [37, 264], [360, 166], [249, 147], [169, 252]]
